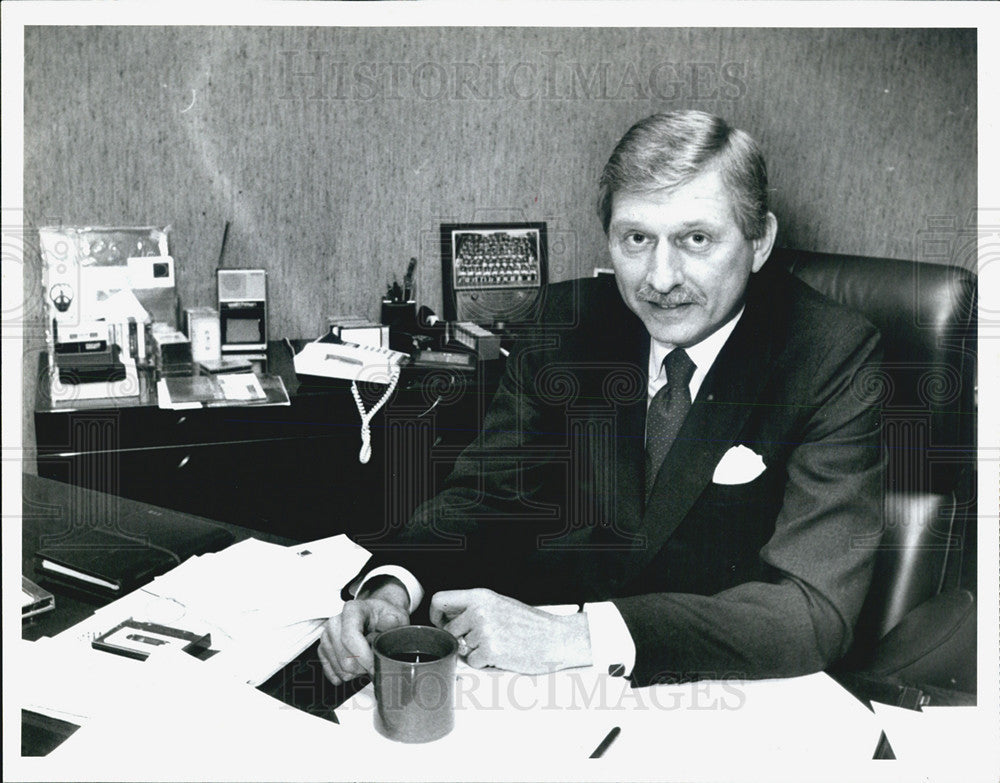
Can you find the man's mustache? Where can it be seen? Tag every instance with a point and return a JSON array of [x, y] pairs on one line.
[[672, 298]]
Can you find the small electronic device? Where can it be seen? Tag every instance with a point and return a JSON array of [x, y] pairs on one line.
[[130, 334], [85, 354], [323, 359], [353, 329], [171, 351], [444, 360], [493, 273], [243, 310], [482, 341]]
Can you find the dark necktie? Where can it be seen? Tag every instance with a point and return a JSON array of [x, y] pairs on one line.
[[666, 412]]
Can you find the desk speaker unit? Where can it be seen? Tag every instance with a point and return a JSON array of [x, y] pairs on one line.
[[243, 311]]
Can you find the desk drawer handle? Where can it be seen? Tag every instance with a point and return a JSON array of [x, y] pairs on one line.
[[184, 461]]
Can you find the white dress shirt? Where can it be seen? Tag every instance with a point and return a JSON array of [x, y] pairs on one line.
[[611, 644]]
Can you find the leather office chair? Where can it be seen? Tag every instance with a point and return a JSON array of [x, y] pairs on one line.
[[918, 624]]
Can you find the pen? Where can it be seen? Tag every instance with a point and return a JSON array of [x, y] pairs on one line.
[[408, 280], [606, 742]]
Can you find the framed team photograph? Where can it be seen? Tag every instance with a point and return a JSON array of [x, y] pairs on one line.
[[492, 272]]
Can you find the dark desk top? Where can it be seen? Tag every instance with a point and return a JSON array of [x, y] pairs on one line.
[[46, 506]]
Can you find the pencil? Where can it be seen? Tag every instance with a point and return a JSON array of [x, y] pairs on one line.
[[606, 742]]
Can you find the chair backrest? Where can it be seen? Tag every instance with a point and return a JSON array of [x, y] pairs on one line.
[[927, 316]]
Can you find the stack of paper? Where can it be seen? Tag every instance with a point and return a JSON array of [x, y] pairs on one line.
[[254, 586], [198, 391], [262, 604], [65, 678]]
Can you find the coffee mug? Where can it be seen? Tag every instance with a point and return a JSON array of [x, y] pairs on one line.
[[415, 683]]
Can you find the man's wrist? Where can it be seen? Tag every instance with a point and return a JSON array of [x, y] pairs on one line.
[[611, 643], [576, 640], [386, 588], [408, 580]]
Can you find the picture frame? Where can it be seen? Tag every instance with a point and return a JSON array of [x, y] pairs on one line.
[[493, 273]]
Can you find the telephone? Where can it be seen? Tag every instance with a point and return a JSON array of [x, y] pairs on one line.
[[355, 363], [348, 360]]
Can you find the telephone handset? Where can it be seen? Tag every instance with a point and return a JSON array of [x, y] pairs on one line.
[[355, 363]]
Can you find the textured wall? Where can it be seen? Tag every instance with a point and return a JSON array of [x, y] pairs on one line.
[[337, 152]]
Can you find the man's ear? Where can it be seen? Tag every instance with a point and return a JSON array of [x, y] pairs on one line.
[[762, 247]]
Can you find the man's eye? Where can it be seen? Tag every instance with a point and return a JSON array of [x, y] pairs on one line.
[[697, 240], [635, 238]]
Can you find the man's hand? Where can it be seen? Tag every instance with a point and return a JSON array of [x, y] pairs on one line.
[[499, 631], [344, 648]]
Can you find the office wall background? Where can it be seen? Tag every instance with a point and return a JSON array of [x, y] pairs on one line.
[[337, 152]]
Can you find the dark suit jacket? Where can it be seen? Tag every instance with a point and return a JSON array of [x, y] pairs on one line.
[[755, 580]]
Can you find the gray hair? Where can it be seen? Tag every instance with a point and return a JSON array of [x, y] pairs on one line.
[[670, 148]]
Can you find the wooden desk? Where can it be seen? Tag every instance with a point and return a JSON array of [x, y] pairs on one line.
[[300, 684], [288, 470]]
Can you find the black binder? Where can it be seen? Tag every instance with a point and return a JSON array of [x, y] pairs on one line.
[[112, 560]]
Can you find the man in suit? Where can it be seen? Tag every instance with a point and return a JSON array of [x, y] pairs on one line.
[[686, 450]]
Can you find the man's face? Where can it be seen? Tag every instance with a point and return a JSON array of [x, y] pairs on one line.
[[681, 262]]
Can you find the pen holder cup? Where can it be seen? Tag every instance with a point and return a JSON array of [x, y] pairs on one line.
[[399, 314], [415, 683], [401, 318]]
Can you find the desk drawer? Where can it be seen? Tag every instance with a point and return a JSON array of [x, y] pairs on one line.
[[88, 431], [302, 488]]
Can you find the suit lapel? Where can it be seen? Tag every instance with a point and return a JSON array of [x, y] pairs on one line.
[[712, 426], [627, 347], [630, 444]]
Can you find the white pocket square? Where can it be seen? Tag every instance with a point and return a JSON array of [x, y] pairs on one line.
[[739, 465]]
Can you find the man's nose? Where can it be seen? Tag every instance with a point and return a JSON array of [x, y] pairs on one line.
[[665, 267]]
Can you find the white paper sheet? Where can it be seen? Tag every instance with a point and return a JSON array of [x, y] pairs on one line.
[[254, 585], [262, 603], [943, 738], [180, 721], [797, 723]]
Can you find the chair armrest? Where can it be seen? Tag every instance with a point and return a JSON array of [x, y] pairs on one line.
[[934, 646]]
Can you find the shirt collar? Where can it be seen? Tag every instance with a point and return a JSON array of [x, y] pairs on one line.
[[703, 354]]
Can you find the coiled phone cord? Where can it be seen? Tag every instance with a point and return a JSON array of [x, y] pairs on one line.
[[367, 416]]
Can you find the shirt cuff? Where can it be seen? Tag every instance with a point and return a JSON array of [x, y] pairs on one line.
[[413, 587], [611, 646]]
